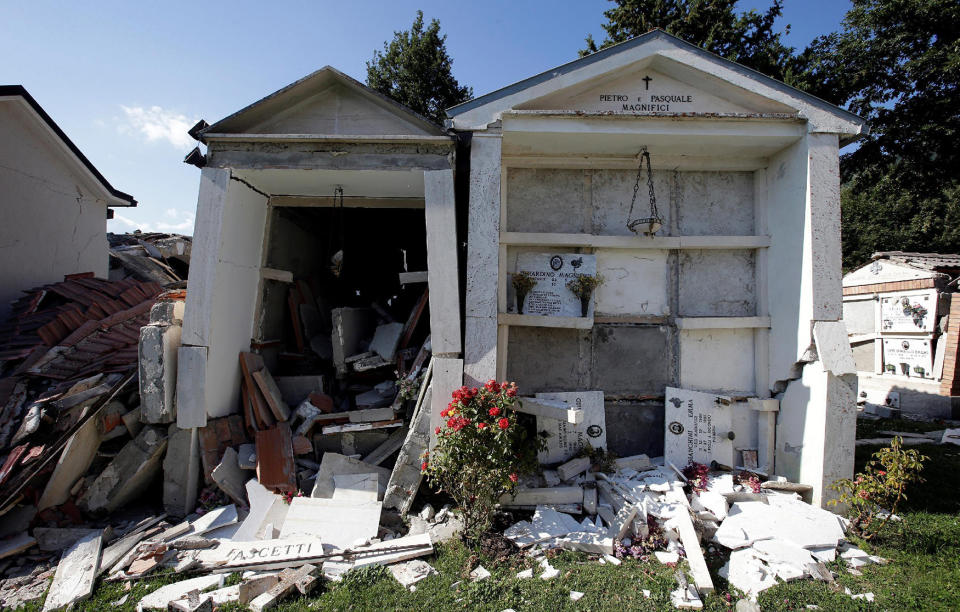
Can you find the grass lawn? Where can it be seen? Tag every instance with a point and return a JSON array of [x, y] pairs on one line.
[[923, 573]]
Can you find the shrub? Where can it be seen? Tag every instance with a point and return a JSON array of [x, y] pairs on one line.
[[481, 451], [881, 486]]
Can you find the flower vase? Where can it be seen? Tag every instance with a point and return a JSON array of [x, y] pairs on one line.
[[521, 298], [584, 304]]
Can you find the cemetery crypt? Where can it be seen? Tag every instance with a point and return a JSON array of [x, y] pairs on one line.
[[650, 233]]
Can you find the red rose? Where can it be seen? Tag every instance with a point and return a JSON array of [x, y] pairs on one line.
[[494, 411], [423, 466], [512, 392], [492, 386], [514, 477], [451, 422], [436, 431], [504, 423], [481, 425], [444, 413]]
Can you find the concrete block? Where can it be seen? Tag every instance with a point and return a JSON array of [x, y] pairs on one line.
[[610, 195], [718, 360], [632, 360], [547, 200], [191, 386], [130, 472], [545, 359], [638, 429], [181, 471], [717, 283], [167, 312], [158, 372], [715, 203]]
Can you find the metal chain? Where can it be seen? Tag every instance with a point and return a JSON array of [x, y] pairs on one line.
[[654, 212]]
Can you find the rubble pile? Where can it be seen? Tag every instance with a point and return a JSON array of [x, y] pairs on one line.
[[150, 257], [647, 511]]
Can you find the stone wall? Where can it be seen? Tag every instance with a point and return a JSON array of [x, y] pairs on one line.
[[635, 348]]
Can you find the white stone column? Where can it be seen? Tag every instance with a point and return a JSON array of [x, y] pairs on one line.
[[823, 206], [483, 242], [443, 271]]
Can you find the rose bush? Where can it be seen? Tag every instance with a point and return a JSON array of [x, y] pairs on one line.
[[481, 450]]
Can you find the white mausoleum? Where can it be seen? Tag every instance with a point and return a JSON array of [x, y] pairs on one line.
[[737, 294]]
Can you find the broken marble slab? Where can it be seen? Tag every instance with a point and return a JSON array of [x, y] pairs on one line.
[[158, 600], [409, 573], [782, 518], [546, 524], [747, 572]]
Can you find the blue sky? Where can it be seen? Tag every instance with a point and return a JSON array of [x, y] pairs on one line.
[[125, 80]]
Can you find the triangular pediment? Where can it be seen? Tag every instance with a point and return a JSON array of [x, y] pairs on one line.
[[657, 85], [328, 103], [694, 80]]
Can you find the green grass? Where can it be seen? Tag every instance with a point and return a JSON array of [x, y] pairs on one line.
[[923, 573]]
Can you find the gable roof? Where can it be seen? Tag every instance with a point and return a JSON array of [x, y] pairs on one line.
[[653, 43], [309, 86], [118, 197]]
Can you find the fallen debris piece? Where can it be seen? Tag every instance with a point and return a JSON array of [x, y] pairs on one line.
[[535, 497], [573, 468], [15, 545], [344, 521], [336, 464], [57, 539], [411, 572], [479, 573], [158, 600], [575, 595], [282, 589], [76, 573]]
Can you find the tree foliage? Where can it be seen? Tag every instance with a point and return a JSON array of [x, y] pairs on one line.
[[747, 37], [897, 64], [415, 70]]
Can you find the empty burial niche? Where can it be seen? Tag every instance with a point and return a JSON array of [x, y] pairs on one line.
[[332, 280]]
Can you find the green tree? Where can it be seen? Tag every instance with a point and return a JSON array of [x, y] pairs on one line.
[[896, 63], [415, 70], [747, 37]]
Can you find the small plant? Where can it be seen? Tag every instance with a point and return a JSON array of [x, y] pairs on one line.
[[605, 460], [363, 577], [481, 450], [881, 486], [582, 286], [696, 474], [408, 389], [749, 480], [523, 282], [640, 548]]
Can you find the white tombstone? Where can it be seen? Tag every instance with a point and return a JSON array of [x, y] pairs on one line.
[[566, 439]]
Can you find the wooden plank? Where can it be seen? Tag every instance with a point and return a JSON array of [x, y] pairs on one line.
[[272, 394], [522, 320], [389, 446], [76, 573], [276, 467], [352, 427], [722, 322], [250, 363], [411, 325]]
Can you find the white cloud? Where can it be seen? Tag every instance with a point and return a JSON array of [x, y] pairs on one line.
[[184, 226], [172, 212], [128, 223], [156, 123]]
